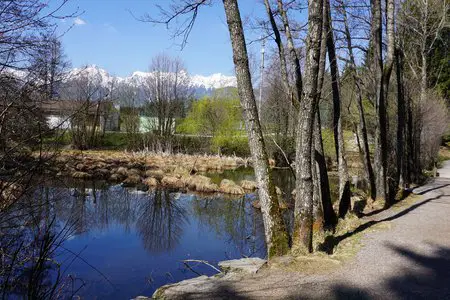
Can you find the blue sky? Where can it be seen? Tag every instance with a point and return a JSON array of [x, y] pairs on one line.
[[107, 35]]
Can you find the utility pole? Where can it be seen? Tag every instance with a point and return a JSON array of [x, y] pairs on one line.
[[263, 42]]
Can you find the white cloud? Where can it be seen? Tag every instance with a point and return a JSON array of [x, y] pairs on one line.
[[79, 21]]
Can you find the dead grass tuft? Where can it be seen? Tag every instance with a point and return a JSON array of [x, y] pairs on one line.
[[249, 185], [230, 187], [150, 181], [172, 182]]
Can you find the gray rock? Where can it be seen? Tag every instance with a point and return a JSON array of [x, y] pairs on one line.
[[183, 287], [246, 265]]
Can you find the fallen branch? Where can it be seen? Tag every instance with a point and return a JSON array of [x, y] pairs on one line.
[[186, 261]]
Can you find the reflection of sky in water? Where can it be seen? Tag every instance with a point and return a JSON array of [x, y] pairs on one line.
[[139, 240]]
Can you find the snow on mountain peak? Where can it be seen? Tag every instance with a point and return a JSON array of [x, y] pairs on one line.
[[214, 81]]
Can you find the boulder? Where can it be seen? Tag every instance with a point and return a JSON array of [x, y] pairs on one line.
[[249, 265]]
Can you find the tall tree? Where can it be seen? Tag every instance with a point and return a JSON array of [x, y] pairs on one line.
[[275, 229], [329, 215], [344, 183], [361, 128], [167, 88], [49, 66], [303, 212], [380, 105]]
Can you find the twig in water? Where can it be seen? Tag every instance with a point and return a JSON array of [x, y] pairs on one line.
[[201, 261]]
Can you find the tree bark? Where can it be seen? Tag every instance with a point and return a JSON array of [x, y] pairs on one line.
[[275, 230], [380, 106], [329, 215], [344, 183], [401, 156], [303, 213], [391, 185]]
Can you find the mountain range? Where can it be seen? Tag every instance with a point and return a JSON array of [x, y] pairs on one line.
[[211, 82]]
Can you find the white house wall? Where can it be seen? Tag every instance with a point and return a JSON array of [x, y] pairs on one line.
[[60, 122]]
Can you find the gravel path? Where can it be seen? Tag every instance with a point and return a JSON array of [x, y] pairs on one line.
[[410, 260]]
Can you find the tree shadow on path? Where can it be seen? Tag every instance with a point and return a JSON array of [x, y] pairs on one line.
[[331, 242], [428, 277]]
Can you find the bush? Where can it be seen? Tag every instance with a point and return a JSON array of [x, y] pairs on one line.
[[231, 145], [114, 140], [328, 143]]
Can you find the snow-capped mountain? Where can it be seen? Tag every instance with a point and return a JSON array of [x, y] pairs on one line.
[[211, 82], [214, 81]]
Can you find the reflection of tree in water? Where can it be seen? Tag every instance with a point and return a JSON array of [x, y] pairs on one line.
[[29, 239], [233, 219], [160, 222], [158, 218]]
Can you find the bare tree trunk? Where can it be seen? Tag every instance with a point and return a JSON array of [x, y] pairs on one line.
[[318, 216], [380, 107], [401, 156], [303, 213], [295, 61], [275, 230], [387, 71], [329, 215], [361, 128], [279, 42], [344, 183], [410, 140]]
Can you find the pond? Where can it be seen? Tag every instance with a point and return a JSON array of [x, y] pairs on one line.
[[120, 243]]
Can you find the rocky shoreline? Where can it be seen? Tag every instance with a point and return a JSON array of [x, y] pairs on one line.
[[230, 269]]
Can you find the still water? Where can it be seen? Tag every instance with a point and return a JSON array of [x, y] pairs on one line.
[[128, 243], [119, 243]]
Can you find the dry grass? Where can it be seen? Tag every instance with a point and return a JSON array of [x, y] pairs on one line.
[[131, 168], [444, 153], [200, 184], [172, 182], [150, 182], [342, 249], [202, 163], [81, 175], [249, 185], [230, 187], [9, 192]]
